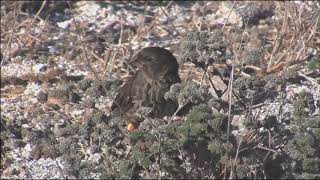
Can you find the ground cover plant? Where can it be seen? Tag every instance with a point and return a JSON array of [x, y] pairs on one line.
[[247, 104]]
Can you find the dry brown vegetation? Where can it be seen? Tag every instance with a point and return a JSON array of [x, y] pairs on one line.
[[248, 101]]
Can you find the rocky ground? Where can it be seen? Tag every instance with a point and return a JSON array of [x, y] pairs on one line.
[[249, 97]]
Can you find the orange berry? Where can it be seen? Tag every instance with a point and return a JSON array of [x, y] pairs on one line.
[[131, 127]]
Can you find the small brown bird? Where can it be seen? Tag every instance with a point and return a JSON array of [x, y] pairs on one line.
[[157, 71]]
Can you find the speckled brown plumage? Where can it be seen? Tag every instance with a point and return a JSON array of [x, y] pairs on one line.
[[158, 70]]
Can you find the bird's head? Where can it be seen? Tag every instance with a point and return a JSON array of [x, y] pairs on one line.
[[155, 62]]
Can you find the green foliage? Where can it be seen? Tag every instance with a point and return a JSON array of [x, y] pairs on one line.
[[98, 118], [303, 105], [195, 125], [219, 124], [126, 169], [307, 176], [311, 165], [253, 57], [198, 113], [203, 48], [303, 145], [200, 138], [306, 143], [314, 63], [242, 171], [170, 146], [316, 133], [191, 93], [216, 147], [188, 95], [314, 122], [143, 159], [292, 151], [84, 84], [281, 78], [135, 135], [252, 123], [101, 87], [59, 93], [173, 93], [106, 173]]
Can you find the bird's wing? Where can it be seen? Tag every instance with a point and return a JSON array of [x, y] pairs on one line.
[[126, 93], [123, 99]]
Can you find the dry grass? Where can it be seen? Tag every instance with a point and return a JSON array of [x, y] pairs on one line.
[[294, 38]]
